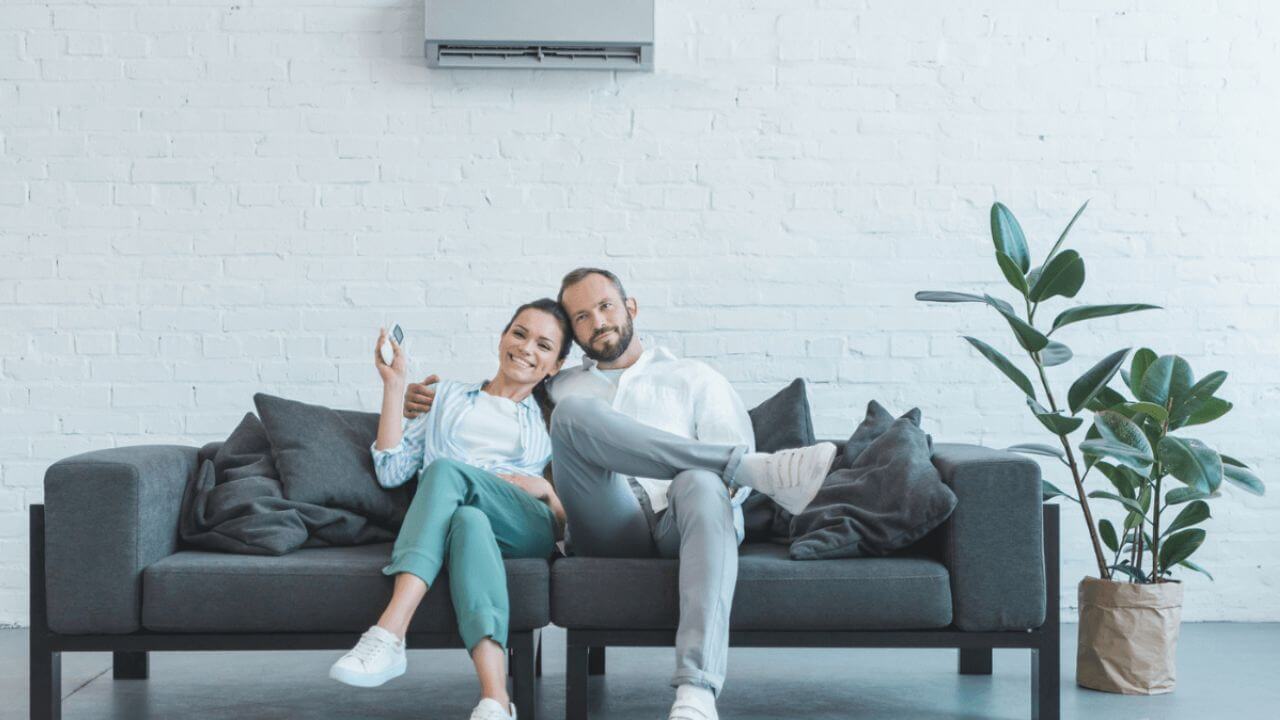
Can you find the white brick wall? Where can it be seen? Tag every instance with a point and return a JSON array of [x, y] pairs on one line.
[[203, 199]]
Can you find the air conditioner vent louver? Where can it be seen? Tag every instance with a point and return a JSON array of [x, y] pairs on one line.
[[543, 34], [539, 55]]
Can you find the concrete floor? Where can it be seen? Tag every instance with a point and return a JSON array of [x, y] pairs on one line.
[[1226, 670]]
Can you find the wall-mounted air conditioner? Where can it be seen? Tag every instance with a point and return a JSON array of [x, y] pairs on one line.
[[548, 34]]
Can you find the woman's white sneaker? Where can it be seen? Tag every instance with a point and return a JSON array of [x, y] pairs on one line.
[[791, 477], [490, 709], [377, 658]]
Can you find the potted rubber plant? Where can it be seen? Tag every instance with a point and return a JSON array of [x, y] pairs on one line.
[[1130, 613]]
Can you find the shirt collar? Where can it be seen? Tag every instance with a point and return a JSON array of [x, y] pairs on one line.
[[648, 357], [473, 389]]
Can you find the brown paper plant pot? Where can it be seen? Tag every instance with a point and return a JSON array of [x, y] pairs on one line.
[[1128, 636]]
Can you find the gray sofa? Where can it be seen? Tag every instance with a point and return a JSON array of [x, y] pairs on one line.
[[108, 573]]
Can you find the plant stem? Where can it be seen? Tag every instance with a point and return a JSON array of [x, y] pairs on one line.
[[1103, 572], [1157, 472]]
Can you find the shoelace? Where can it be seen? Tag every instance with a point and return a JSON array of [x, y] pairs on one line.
[[368, 647]]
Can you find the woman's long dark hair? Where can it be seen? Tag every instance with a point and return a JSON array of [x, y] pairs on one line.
[[552, 308]]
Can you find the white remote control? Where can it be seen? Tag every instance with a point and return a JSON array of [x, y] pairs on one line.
[[389, 355]]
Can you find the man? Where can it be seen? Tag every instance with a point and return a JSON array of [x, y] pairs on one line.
[[653, 455]]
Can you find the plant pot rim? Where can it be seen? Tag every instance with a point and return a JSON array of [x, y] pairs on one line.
[[1114, 594]]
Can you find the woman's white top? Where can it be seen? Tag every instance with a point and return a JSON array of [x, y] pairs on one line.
[[471, 426]]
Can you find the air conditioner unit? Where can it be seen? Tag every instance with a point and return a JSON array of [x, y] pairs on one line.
[[547, 34]]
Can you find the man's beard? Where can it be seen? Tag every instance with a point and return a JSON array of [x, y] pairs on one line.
[[615, 351]]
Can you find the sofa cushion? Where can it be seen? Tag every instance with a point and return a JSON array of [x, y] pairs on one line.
[[333, 589], [773, 593], [324, 458]]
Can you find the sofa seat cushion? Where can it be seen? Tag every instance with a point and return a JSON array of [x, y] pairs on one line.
[[774, 592], [333, 589]]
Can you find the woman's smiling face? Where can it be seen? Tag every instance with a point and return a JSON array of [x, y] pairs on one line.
[[530, 349]]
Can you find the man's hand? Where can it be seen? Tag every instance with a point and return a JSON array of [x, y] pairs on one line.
[[419, 398], [538, 487]]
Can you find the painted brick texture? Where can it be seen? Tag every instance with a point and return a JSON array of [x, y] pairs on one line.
[[200, 200]]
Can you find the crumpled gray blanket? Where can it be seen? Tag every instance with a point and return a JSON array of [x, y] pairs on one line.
[[882, 495], [235, 503]]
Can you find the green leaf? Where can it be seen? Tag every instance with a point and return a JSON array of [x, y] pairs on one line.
[[1176, 548], [1192, 566], [1121, 478], [1228, 460], [1121, 430], [1063, 275], [1117, 451], [1179, 495], [1094, 379], [1031, 339], [1243, 478], [1157, 412], [1009, 267], [1210, 410], [948, 296], [1168, 378], [1141, 361], [1038, 449], [1050, 491], [1129, 503], [1106, 399], [1003, 365], [1089, 312], [1008, 237], [1196, 512], [1191, 461], [1108, 533], [1134, 574], [1196, 398], [1062, 237], [1055, 353], [1056, 423]]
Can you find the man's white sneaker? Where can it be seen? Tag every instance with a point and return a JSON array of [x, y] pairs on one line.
[[377, 658], [490, 709], [693, 703], [791, 477]]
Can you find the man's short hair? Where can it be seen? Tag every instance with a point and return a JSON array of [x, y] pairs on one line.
[[576, 276]]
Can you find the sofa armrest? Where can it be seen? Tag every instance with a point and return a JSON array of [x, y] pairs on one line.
[[108, 515], [994, 541]]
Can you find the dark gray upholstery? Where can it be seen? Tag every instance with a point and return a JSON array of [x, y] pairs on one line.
[[773, 593], [994, 540], [312, 589], [109, 514]]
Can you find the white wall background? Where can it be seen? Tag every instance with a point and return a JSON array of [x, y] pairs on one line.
[[200, 199]]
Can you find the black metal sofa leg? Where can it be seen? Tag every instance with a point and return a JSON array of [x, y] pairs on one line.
[[129, 665], [576, 678], [45, 663], [46, 684], [595, 660], [524, 688], [975, 661], [1046, 660]]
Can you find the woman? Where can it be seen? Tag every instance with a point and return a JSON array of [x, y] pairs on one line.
[[481, 451]]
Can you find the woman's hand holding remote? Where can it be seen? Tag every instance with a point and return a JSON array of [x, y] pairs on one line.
[[393, 375]]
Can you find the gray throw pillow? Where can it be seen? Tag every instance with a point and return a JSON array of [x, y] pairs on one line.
[[891, 497], [780, 423], [877, 422], [323, 458], [783, 421]]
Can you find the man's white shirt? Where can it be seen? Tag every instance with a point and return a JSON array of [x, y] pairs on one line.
[[681, 396]]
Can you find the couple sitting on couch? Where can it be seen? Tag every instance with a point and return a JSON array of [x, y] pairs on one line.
[[650, 455]]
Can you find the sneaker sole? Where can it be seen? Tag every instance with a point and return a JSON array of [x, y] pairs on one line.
[[367, 680]]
